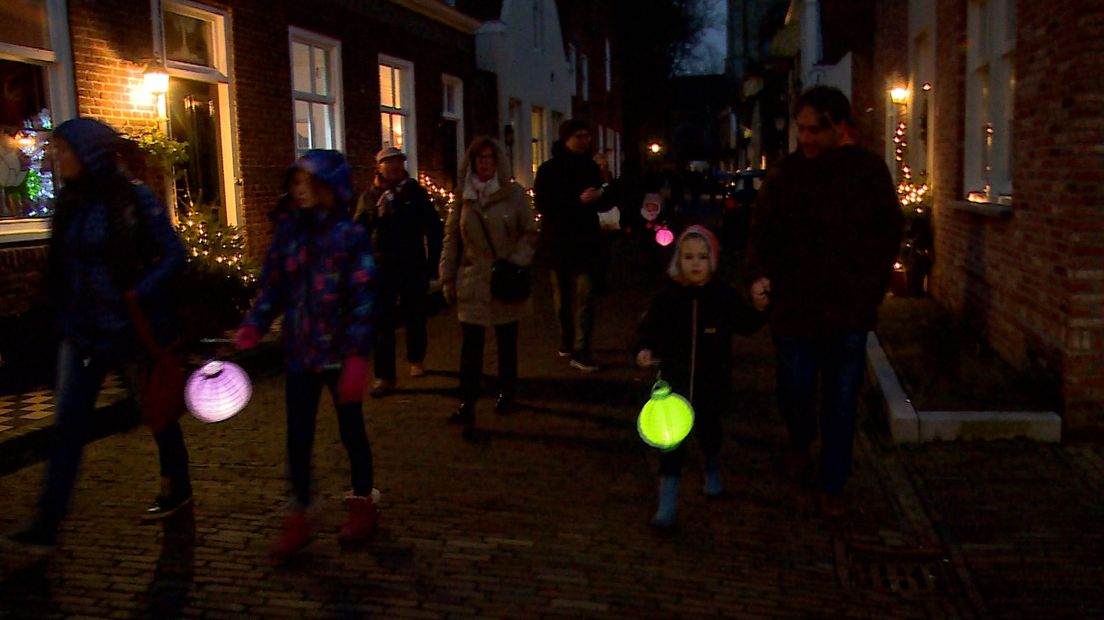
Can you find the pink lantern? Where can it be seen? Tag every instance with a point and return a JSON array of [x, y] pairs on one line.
[[664, 236], [217, 391]]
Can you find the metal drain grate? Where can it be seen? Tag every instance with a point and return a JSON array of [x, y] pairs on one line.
[[904, 572]]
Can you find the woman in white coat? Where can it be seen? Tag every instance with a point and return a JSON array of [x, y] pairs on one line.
[[508, 231]]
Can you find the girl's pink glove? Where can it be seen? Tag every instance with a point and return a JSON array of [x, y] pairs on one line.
[[354, 374], [247, 337]]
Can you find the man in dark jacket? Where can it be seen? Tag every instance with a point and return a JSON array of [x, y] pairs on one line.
[[568, 194], [826, 231], [407, 234]]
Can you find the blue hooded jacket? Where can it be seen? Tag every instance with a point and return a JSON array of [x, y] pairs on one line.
[[321, 274], [110, 235]]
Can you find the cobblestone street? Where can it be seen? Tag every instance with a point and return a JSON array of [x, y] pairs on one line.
[[546, 515]]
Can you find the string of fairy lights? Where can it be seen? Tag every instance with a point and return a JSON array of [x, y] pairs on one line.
[[910, 194], [226, 246]]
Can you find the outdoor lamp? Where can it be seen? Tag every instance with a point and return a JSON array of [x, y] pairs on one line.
[[899, 95], [664, 236], [217, 391], [666, 419], [156, 80], [655, 148]]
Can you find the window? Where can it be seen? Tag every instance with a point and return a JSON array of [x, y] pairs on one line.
[[990, 86], [537, 128], [396, 81], [193, 40], [571, 69], [538, 24], [316, 91], [609, 68], [584, 77], [452, 114], [36, 72]]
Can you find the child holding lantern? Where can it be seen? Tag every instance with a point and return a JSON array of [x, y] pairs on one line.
[[688, 329], [320, 273]]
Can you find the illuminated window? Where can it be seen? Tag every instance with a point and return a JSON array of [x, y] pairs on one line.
[[316, 88], [990, 86], [396, 82]]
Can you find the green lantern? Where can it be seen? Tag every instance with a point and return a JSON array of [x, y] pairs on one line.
[[666, 419]]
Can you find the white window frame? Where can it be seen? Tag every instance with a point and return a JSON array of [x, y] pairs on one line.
[[218, 75], [456, 114], [609, 68], [58, 65], [584, 75], [409, 109], [990, 86], [332, 49], [538, 136]]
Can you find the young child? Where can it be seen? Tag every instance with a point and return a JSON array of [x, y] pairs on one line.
[[320, 273], [688, 331]]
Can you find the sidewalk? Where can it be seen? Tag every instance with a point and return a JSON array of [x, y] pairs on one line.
[[546, 516]]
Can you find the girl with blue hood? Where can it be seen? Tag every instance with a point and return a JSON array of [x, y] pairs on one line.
[[112, 247], [320, 274]]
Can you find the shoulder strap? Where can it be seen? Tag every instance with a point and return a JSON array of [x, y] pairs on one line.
[[487, 235]]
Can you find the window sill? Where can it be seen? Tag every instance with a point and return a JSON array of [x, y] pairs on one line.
[[24, 230], [987, 209]]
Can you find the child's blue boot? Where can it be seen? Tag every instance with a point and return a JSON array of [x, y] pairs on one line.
[[713, 486], [668, 503]]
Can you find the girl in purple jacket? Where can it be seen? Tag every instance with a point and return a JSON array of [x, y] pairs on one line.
[[321, 275]]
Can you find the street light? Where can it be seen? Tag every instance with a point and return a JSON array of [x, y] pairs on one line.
[[899, 95], [655, 148]]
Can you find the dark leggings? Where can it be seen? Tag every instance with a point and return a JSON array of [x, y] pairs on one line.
[[304, 389], [471, 359]]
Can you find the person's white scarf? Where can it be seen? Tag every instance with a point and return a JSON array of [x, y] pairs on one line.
[[480, 190]]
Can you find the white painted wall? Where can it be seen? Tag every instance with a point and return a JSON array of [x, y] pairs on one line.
[[534, 76]]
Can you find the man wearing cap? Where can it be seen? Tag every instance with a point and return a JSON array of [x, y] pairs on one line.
[[407, 233], [568, 196], [825, 232]]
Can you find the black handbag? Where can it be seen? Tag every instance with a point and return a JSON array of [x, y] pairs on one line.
[[509, 281]]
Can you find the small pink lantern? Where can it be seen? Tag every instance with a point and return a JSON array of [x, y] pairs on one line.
[[217, 391], [664, 236]]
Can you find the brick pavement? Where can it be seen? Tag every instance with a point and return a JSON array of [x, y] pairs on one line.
[[545, 517]]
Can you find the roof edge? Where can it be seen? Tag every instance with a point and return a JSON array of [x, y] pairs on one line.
[[442, 13]]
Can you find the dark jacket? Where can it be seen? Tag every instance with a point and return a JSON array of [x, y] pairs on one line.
[[110, 235], [826, 232], [407, 233], [570, 233], [321, 275], [700, 319]]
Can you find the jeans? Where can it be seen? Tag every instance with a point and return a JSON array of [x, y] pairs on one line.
[[471, 359], [413, 298], [707, 429], [839, 362], [304, 389], [79, 378], [574, 298]]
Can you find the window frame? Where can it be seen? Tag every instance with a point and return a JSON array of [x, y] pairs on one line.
[[61, 92], [219, 76], [409, 109], [458, 113], [989, 101], [332, 48]]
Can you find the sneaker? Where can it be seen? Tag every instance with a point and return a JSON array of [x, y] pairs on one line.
[[35, 536], [583, 363], [363, 518], [417, 370], [381, 388], [166, 505], [295, 535], [564, 352]]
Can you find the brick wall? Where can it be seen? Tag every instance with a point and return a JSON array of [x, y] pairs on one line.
[[21, 271], [1032, 283], [262, 77]]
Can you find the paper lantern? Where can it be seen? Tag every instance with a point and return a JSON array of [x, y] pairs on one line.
[[217, 391], [666, 419], [664, 236]]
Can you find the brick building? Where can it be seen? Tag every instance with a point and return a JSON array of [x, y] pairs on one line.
[[999, 103], [251, 84]]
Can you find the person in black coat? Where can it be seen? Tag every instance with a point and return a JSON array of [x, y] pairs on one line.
[[688, 332], [568, 196], [407, 233]]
